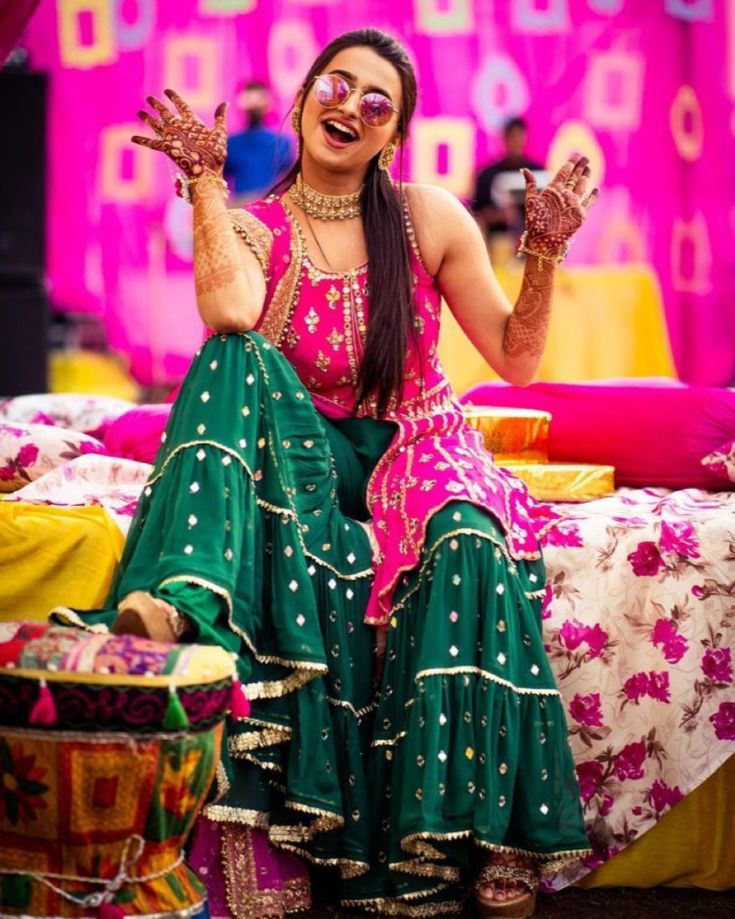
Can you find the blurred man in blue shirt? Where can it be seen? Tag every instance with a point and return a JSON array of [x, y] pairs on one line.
[[257, 156]]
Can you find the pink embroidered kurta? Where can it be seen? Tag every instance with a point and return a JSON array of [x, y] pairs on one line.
[[319, 322]]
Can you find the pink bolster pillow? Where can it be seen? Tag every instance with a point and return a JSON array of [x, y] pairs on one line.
[[654, 433], [136, 435]]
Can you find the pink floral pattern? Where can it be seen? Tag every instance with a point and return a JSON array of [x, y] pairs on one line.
[[723, 721], [639, 624], [29, 451], [722, 462]]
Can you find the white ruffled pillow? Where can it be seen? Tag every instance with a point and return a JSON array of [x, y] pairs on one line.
[[28, 451], [108, 481], [89, 414]]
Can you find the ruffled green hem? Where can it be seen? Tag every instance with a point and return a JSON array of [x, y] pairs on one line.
[[398, 782]]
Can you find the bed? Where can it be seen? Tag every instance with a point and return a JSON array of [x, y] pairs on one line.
[[639, 621]]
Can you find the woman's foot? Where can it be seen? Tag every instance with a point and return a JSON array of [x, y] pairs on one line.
[[506, 886], [142, 614]]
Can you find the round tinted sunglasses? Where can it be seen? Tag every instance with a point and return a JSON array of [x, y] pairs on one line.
[[332, 90]]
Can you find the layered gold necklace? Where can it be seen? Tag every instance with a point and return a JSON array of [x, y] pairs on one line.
[[324, 207]]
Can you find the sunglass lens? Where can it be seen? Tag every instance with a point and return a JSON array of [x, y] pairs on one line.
[[330, 90], [375, 109]]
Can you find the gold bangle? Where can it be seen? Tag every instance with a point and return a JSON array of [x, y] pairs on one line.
[[184, 184]]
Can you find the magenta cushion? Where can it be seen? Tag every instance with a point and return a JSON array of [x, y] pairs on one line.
[[137, 434], [654, 433]]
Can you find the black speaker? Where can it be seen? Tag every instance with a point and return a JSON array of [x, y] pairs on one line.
[[22, 176], [23, 340]]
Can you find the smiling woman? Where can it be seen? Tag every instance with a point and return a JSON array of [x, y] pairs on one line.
[[320, 508], [360, 94]]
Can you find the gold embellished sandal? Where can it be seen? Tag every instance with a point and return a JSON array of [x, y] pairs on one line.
[[518, 907], [142, 614]]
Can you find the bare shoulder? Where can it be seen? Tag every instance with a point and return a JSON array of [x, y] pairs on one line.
[[431, 203], [437, 216]]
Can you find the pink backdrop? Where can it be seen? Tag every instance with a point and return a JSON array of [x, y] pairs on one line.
[[646, 87]]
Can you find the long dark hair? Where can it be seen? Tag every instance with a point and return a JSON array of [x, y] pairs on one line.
[[392, 312]]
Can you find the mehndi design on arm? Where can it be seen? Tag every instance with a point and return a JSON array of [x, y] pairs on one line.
[[216, 256], [527, 327], [553, 216]]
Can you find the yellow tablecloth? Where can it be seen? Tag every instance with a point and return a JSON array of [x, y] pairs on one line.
[[52, 556], [691, 846], [606, 322]]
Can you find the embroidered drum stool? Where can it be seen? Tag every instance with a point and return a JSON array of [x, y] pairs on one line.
[[108, 747]]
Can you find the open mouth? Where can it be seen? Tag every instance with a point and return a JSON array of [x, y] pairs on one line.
[[339, 132]]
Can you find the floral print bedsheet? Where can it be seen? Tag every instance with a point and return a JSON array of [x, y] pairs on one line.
[[113, 483], [639, 623]]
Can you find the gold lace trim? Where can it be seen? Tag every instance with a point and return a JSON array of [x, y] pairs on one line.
[[222, 781], [268, 766], [460, 531], [485, 674], [399, 908], [273, 689], [279, 309], [66, 616], [421, 868], [389, 741], [411, 844], [411, 234], [305, 671], [255, 233], [415, 843], [245, 897], [268, 737], [357, 712], [221, 813], [403, 902]]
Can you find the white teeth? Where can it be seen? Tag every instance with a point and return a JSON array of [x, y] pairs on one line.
[[343, 129]]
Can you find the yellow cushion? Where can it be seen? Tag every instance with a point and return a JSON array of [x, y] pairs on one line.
[[52, 556]]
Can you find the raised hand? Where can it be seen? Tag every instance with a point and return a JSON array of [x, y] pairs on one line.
[[184, 137], [555, 214]]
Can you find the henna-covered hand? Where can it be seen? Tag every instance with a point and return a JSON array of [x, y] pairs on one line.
[[555, 214], [185, 138]]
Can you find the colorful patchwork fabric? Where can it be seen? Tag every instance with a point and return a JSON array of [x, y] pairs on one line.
[[116, 682], [99, 784], [102, 819]]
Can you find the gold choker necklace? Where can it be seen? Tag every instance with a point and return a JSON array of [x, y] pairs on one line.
[[325, 207]]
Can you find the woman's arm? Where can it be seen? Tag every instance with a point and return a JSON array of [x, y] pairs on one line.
[[230, 284], [510, 338]]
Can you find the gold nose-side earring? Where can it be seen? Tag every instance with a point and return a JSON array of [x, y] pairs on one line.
[[386, 156], [296, 120]]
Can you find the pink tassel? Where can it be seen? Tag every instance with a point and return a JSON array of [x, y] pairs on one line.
[[110, 911], [44, 711], [239, 702]]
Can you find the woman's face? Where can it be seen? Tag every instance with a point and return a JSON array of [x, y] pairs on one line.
[[350, 150]]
